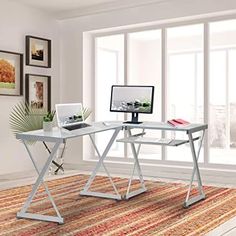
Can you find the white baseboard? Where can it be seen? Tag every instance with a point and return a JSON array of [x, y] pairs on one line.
[[19, 179], [217, 177]]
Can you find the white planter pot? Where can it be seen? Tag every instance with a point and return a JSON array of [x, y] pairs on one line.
[[47, 126]]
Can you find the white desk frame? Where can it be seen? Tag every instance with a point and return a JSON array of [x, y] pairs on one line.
[[190, 130], [58, 136]]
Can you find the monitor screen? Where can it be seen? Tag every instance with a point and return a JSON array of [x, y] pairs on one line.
[[134, 99], [68, 114]]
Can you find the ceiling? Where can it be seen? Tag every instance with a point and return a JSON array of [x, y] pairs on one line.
[[82, 7], [61, 5]]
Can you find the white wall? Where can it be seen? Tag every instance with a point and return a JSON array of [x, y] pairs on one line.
[[72, 42], [16, 21]]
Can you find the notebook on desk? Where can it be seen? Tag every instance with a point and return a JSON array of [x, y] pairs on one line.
[[177, 122], [70, 116]]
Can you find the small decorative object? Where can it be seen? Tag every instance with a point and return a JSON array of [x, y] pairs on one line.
[[38, 91], [11, 73], [48, 121], [38, 51]]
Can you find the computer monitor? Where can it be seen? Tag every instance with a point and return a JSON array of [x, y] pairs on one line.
[[132, 99]]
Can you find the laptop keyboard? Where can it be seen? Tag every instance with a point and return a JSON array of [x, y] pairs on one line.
[[77, 126]]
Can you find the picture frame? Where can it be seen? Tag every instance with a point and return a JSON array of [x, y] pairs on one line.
[[11, 73], [38, 91], [38, 51]]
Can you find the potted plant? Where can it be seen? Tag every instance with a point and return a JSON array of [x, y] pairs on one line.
[[48, 121]]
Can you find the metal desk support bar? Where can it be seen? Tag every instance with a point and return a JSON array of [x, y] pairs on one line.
[[195, 156], [100, 163], [23, 212], [139, 172]]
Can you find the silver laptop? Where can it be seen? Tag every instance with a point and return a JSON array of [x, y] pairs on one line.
[[70, 116]]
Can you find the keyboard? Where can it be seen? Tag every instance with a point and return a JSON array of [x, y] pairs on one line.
[[77, 126]]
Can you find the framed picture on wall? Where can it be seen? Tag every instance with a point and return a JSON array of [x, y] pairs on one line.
[[38, 91], [11, 73], [38, 51]]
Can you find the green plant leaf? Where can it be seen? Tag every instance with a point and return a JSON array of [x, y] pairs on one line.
[[86, 112], [23, 118], [49, 116]]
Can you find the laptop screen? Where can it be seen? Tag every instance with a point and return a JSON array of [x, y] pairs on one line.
[[69, 114]]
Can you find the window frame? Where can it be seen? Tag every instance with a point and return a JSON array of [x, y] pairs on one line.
[[206, 57]]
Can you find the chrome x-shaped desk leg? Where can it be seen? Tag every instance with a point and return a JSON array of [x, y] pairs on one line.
[[23, 212], [189, 201], [139, 172], [100, 163]]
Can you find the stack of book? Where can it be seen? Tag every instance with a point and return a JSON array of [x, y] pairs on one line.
[[177, 122]]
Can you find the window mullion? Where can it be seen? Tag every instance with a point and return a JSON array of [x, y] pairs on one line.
[[206, 55], [227, 103], [126, 71], [164, 84]]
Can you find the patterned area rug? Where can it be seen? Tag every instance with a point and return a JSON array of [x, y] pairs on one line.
[[159, 211]]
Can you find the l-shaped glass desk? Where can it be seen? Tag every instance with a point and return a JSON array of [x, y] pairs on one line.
[[58, 136]]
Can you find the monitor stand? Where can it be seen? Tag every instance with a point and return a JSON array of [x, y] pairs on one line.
[[134, 119]]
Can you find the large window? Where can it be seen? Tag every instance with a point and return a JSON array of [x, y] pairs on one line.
[[109, 70], [144, 68], [222, 139], [138, 58], [184, 81]]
